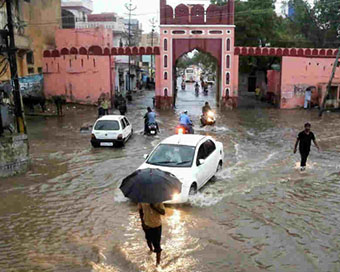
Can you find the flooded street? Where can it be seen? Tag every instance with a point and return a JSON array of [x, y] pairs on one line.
[[259, 214]]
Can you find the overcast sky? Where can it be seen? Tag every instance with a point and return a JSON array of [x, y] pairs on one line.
[[146, 9]]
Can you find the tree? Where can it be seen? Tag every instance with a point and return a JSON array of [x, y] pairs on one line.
[[317, 24]]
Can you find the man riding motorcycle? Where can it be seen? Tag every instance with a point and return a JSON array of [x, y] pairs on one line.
[[208, 117], [206, 108], [149, 118], [185, 122]]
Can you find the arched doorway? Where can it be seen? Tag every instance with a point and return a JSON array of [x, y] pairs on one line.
[[186, 28], [196, 67]]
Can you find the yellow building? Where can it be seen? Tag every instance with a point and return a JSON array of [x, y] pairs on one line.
[[35, 24]]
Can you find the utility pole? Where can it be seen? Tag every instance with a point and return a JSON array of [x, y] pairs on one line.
[[130, 9], [11, 49], [335, 65], [153, 25]]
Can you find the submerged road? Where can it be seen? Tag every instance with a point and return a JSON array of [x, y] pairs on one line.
[[259, 214]]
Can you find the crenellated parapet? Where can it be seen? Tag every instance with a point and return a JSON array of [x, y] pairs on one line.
[[197, 14]]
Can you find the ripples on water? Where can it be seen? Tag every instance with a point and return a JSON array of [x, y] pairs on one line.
[[259, 213]]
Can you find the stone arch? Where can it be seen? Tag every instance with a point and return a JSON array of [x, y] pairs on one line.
[[308, 52], [114, 51], [74, 51], [237, 50], [135, 50], [107, 51], [64, 51], [82, 51], [251, 51], [182, 14], [142, 50], [329, 52], [265, 52], [95, 50], [156, 50], [293, 52], [197, 15], [315, 52], [300, 52], [149, 50], [322, 52], [128, 51], [279, 52], [55, 53], [47, 54]]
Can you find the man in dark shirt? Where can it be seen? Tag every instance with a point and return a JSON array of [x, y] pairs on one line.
[[304, 141]]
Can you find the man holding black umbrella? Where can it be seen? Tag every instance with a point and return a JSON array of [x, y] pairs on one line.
[[150, 215]]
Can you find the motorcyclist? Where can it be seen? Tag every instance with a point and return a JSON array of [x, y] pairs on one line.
[[185, 121], [122, 105], [149, 118], [206, 108], [197, 85]]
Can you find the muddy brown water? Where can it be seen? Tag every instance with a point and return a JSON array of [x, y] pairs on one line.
[[259, 214]]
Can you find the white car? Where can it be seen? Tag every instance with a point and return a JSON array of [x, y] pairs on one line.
[[193, 159], [111, 129]]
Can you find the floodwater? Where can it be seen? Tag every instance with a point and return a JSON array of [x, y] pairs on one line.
[[259, 214]]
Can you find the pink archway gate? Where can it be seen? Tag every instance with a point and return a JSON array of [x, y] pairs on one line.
[[186, 28]]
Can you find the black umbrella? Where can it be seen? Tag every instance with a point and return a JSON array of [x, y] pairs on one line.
[[150, 186]]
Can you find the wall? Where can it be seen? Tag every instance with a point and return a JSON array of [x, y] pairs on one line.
[[274, 85], [81, 78], [299, 73], [43, 18], [83, 37], [14, 158]]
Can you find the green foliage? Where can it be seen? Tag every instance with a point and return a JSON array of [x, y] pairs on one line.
[[315, 25]]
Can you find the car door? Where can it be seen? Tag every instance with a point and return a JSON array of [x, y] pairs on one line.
[[128, 127], [211, 160], [201, 174], [123, 125]]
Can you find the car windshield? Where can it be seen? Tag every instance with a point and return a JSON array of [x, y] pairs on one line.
[[172, 155], [107, 125]]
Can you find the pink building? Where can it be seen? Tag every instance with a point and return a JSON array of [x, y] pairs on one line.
[[78, 68]]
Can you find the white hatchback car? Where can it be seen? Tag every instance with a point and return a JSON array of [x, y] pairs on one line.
[[193, 159], [111, 129]]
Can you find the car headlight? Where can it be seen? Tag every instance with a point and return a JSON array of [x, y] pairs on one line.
[[210, 114], [209, 119], [176, 197]]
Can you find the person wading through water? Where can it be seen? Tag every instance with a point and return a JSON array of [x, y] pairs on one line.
[[304, 141], [150, 215]]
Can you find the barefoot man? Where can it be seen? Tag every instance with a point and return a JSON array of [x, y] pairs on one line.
[[150, 215], [304, 140]]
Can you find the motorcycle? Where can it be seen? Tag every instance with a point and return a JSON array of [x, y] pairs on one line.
[[208, 119], [152, 129], [180, 129]]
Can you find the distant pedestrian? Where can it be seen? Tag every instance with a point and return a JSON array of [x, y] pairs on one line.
[[105, 103], [308, 98], [150, 215], [257, 92], [304, 141]]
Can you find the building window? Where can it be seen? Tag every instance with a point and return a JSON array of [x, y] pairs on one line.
[[30, 58], [165, 75], [228, 31], [218, 32], [228, 62], [228, 44], [40, 70], [227, 92], [165, 44], [94, 62], [58, 68], [46, 68], [227, 78], [166, 92], [30, 70], [70, 62], [165, 61], [165, 32], [82, 63], [196, 32], [178, 32]]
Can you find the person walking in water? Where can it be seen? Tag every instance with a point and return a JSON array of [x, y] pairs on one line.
[[304, 141], [150, 215]]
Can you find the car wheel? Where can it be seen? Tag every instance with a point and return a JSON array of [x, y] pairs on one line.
[[95, 145], [193, 189], [219, 167]]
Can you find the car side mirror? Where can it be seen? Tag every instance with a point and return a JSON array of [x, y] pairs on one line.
[[146, 156], [201, 161]]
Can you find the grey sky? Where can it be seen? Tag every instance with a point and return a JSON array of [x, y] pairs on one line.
[[146, 9]]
